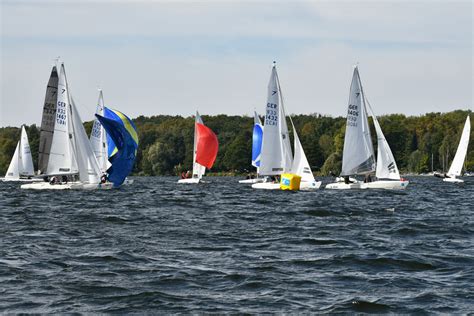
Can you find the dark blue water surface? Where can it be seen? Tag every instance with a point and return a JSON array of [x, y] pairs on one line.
[[224, 247]]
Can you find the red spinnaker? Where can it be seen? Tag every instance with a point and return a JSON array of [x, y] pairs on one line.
[[207, 146]]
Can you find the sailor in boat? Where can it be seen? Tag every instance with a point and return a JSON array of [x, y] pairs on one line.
[[367, 178], [103, 178]]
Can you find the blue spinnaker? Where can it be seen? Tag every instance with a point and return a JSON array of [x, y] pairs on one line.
[[257, 139], [123, 133]]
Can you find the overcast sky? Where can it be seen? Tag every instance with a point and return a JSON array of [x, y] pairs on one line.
[[173, 57]]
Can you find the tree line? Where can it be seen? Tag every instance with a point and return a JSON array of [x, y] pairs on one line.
[[419, 143]]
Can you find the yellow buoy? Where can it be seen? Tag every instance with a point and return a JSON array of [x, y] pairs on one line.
[[290, 181]]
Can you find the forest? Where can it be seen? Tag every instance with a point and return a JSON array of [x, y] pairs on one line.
[[420, 144]]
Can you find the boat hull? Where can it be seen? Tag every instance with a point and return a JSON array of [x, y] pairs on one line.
[[67, 186], [266, 185], [252, 181], [304, 186], [309, 186], [380, 184], [21, 180], [189, 181], [453, 180]]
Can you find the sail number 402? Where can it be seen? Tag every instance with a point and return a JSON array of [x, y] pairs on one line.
[[271, 117], [61, 113]]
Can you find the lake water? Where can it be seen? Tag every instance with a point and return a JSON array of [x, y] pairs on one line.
[[224, 247]]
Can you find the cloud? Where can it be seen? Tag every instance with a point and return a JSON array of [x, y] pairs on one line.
[[175, 57]]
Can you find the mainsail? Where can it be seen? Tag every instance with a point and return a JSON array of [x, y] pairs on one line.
[[198, 169], [458, 161], [358, 154], [26, 168], [257, 138], [276, 156], [98, 137], [123, 132], [47, 121], [62, 160]]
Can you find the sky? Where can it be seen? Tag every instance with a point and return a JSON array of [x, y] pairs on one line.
[[176, 57]]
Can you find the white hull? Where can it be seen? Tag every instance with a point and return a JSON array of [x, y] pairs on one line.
[[379, 184], [453, 180], [252, 181], [304, 186], [21, 180], [266, 186], [309, 186], [67, 186], [189, 181]]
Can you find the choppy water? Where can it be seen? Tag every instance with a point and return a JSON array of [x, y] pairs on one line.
[[158, 246]]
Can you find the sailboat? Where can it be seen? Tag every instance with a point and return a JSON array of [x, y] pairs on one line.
[[358, 156], [458, 161], [122, 145], [21, 166], [276, 155], [204, 150], [66, 155], [257, 138]]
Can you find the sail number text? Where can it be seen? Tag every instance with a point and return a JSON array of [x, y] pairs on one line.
[[61, 113], [271, 117], [352, 114]]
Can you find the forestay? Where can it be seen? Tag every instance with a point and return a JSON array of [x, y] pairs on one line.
[[458, 161], [358, 154], [47, 121]]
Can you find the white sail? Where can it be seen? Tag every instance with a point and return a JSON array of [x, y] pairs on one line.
[[358, 154], [61, 157], [274, 156], [26, 168], [458, 161], [287, 154], [13, 169], [98, 137], [386, 165], [256, 119], [88, 166], [301, 165], [198, 169], [47, 121]]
